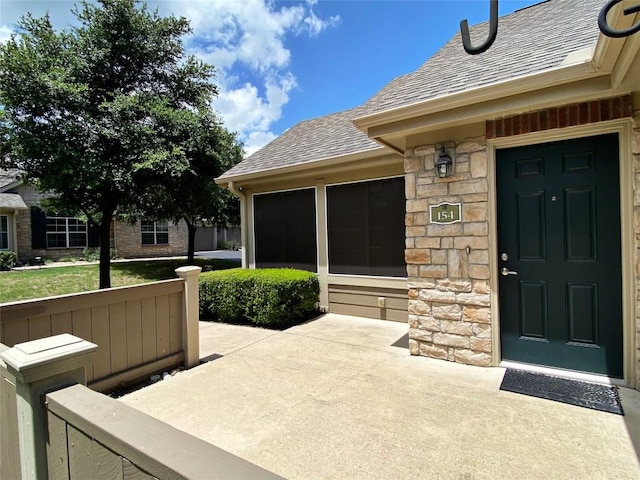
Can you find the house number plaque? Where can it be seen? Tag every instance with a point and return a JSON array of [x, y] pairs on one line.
[[445, 213]]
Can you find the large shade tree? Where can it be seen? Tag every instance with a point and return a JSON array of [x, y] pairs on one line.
[[191, 194], [87, 111]]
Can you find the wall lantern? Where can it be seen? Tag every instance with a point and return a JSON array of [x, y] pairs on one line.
[[444, 164]]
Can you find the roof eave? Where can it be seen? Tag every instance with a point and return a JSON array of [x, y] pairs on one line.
[[300, 167], [526, 83], [11, 185]]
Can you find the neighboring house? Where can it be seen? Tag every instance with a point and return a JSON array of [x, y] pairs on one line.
[[31, 232], [541, 265]]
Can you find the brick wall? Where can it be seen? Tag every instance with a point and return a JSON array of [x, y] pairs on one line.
[[448, 265], [125, 238], [128, 241], [561, 117], [31, 198]]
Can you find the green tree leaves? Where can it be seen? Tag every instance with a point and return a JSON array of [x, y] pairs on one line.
[[92, 113]]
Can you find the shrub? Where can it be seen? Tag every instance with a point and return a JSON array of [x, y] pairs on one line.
[[37, 261], [7, 259], [271, 297], [91, 254], [230, 245]]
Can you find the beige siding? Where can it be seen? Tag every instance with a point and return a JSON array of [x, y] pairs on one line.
[[137, 329], [364, 302], [9, 461], [91, 436]]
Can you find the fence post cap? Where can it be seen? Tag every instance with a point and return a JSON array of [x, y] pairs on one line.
[[38, 359], [188, 271]]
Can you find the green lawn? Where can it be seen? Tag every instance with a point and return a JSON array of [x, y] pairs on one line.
[[45, 282]]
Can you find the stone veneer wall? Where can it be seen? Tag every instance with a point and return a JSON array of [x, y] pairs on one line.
[[448, 265], [636, 211], [449, 301]]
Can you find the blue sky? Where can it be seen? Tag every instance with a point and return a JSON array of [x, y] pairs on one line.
[[281, 62]]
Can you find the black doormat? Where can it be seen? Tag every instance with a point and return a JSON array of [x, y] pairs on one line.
[[582, 394]]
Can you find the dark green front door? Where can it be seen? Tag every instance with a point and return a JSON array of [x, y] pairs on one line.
[[559, 255]]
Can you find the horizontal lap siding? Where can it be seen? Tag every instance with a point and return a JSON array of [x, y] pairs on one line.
[[363, 302]]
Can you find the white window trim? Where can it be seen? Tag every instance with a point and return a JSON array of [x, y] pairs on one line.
[[67, 233], [155, 232]]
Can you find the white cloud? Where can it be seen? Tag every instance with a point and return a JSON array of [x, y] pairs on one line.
[[256, 140], [245, 110], [251, 34], [5, 33], [233, 35]]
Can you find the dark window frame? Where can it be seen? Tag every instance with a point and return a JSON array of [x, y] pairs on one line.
[[4, 232], [359, 242], [284, 234]]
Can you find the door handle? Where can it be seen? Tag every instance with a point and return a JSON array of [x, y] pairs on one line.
[[505, 271]]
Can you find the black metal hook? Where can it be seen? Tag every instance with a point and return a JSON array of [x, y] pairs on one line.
[[493, 31], [607, 30]]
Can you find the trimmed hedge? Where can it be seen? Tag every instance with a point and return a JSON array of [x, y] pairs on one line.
[[269, 297]]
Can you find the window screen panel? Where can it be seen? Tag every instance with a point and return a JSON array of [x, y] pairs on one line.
[[285, 230], [347, 228], [366, 228]]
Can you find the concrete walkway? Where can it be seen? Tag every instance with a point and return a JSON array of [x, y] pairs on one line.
[[335, 399]]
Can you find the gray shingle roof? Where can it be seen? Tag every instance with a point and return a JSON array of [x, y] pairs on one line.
[[12, 201], [529, 40], [311, 140], [8, 176]]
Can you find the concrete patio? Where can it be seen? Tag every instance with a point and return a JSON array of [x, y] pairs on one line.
[[334, 398]]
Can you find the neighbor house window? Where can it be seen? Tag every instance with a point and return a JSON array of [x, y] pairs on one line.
[[365, 228], [285, 229], [4, 232], [154, 233], [66, 232]]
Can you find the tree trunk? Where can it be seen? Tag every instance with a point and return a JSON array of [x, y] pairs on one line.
[[105, 252], [191, 252]]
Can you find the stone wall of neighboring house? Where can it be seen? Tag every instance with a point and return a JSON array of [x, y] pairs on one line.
[[448, 265], [128, 241]]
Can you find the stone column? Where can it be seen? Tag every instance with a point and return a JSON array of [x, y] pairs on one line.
[[448, 264], [191, 315], [635, 146], [41, 366]]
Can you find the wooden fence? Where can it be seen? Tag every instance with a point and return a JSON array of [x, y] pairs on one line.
[[139, 330], [9, 460], [97, 437], [54, 428]]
